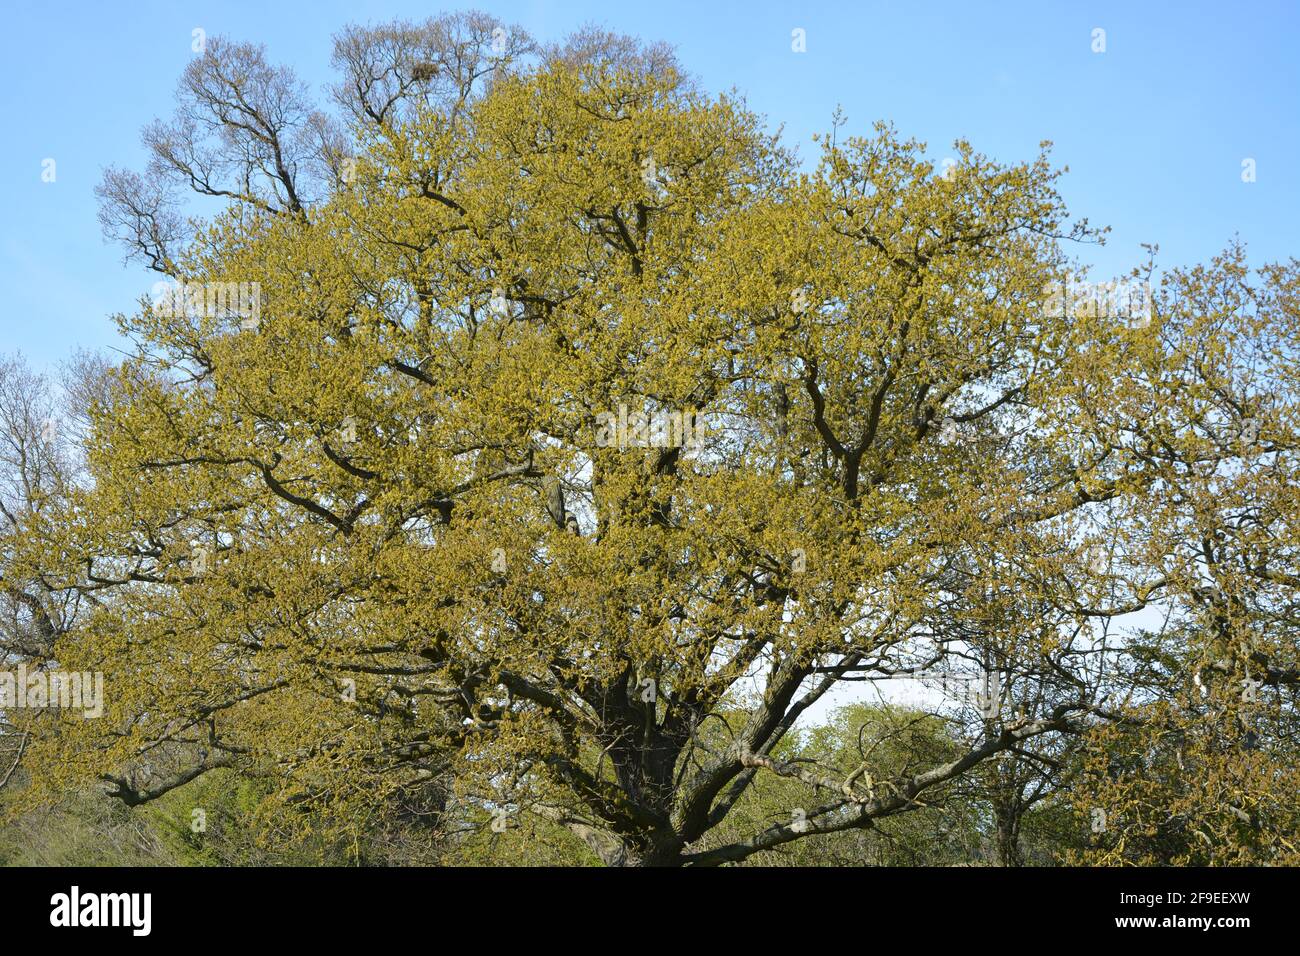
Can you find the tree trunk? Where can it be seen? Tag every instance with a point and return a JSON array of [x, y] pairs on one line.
[[1008, 815]]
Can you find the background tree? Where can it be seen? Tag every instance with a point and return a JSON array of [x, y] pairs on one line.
[[35, 470], [1201, 770]]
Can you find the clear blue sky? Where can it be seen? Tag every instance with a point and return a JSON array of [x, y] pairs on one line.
[[1154, 130]]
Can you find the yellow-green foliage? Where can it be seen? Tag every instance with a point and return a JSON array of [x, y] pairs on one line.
[[379, 539]]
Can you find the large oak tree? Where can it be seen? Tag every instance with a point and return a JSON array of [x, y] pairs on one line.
[[366, 523]]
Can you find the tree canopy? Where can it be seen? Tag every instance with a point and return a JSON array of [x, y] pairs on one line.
[[538, 423]]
